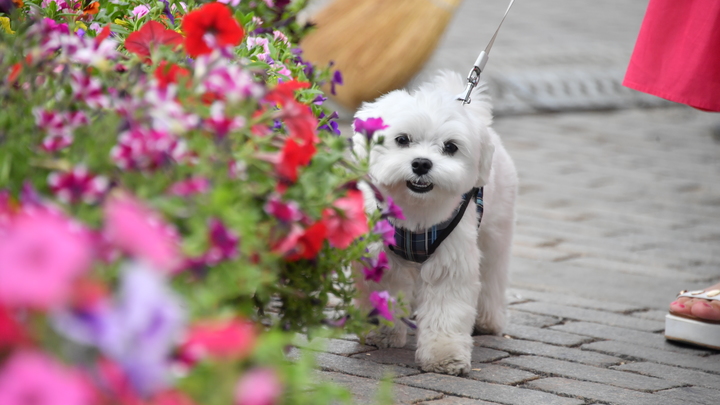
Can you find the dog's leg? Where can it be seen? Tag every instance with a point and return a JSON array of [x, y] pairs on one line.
[[491, 304], [445, 317], [399, 281], [495, 243]]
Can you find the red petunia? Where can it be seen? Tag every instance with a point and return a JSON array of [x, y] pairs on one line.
[[151, 35], [309, 243], [214, 20], [346, 220], [11, 331], [222, 339], [284, 92], [169, 73], [292, 156]]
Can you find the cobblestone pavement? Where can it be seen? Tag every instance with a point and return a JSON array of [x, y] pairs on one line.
[[618, 211]]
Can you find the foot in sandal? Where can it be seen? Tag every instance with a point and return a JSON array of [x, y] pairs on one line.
[[695, 318]]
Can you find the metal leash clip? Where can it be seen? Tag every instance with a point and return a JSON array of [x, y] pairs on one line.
[[474, 75]]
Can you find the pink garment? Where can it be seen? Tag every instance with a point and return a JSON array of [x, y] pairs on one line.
[[677, 54]]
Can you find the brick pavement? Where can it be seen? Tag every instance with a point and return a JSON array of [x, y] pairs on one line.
[[617, 212], [591, 276]]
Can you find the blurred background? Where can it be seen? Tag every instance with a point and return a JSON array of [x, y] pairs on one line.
[[619, 190]]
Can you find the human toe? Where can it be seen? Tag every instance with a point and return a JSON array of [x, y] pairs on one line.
[[704, 309]]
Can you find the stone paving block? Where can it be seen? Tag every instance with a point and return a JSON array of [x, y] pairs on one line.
[[457, 401], [700, 395], [571, 300], [349, 365], [530, 319], [480, 390], [588, 373], [364, 389], [485, 355], [670, 373], [335, 346], [406, 358], [541, 349], [401, 357], [657, 355], [653, 314], [601, 392], [544, 335], [655, 340], [500, 375], [591, 315]]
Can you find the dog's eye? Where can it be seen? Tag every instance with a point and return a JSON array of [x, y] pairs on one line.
[[402, 140], [450, 148]]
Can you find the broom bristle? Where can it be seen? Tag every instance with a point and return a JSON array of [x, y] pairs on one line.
[[378, 45]]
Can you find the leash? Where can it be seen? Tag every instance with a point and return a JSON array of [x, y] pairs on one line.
[[474, 75]]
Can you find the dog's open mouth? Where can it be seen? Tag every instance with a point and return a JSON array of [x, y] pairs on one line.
[[419, 186]]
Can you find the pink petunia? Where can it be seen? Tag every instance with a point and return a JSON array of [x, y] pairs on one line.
[[141, 233], [376, 271], [33, 378], [381, 303], [392, 210], [223, 243], [284, 211], [41, 254], [369, 126], [386, 231], [347, 220], [77, 185], [258, 387], [191, 186], [140, 11]]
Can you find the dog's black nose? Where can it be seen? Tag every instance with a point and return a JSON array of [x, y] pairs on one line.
[[421, 166]]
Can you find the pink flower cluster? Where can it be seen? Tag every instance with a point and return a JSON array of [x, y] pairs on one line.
[[58, 126], [146, 149], [77, 185]]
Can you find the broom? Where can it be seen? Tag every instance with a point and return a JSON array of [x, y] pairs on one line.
[[378, 45]]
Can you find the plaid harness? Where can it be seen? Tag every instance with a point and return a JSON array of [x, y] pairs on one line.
[[419, 246]]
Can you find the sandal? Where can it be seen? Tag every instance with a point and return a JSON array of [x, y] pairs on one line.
[[690, 329]]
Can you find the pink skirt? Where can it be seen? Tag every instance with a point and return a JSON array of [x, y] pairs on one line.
[[677, 54]]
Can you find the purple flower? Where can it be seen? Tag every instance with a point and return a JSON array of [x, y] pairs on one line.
[[319, 100], [223, 243], [378, 268], [167, 12], [138, 330], [381, 304], [392, 210], [331, 125], [385, 229], [368, 127], [286, 212], [336, 79]]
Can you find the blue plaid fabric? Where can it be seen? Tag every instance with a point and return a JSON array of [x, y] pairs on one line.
[[419, 246]]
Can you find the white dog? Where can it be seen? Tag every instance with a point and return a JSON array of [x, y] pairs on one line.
[[435, 151]]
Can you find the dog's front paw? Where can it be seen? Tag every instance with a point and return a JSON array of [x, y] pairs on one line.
[[445, 354], [452, 366], [385, 337]]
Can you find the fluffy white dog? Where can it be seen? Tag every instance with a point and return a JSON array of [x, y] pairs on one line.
[[435, 151]]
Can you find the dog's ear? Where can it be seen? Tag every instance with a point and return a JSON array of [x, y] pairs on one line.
[[486, 156]]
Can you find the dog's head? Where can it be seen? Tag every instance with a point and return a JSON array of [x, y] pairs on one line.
[[435, 149]]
